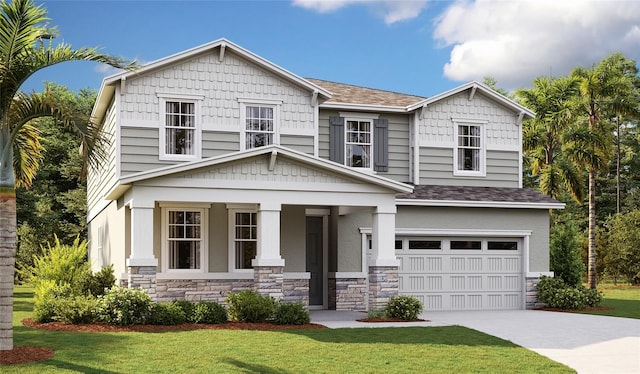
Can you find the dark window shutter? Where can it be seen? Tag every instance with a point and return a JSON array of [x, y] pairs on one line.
[[336, 139], [381, 144]]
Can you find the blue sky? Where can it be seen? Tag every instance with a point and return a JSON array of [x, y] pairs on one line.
[[416, 47]]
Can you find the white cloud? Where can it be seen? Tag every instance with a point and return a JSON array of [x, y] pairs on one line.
[[392, 11], [515, 41]]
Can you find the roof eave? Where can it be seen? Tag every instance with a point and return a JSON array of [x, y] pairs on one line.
[[480, 204], [363, 107]]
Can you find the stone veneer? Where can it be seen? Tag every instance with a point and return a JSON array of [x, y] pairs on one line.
[[383, 285], [296, 290], [269, 281], [532, 292], [200, 289], [143, 277], [347, 293]]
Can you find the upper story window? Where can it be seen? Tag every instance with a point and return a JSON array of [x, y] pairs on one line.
[[259, 122], [469, 155], [180, 133], [184, 238], [358, 144], [359, 141], [259, 126]]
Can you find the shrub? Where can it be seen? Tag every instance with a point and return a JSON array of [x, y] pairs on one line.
[[76, 309], [124, 306], [291, 314], [557, 294], [187, 307], [166, 313], [565, 258], [101, 281], [249, 306], [404, 307], [46, 295], [209, 312]]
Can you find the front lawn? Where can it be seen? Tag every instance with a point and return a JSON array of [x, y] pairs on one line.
[[624, 301], [407, 349]]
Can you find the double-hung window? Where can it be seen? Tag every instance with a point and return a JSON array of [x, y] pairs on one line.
[[259, 122], [184, 238], [358, 143], [180, 131], [243, 237], [469, 154]]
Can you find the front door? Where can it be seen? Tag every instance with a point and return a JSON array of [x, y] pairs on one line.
[[314, 259]]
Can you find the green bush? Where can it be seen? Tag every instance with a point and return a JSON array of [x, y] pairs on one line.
[[46, 295], [101, 281], [166, 313], [404, 307], [291, 314], [249, 306], [209, 312], [124, 306], [557, 294], [565, 257], [187, 307], [76, 309]]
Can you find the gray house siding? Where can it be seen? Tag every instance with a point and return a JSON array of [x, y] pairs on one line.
[[218, 88], [102, 178], [436, 167], [398, 142]]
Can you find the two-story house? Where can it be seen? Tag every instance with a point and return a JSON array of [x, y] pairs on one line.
[[227, 172]]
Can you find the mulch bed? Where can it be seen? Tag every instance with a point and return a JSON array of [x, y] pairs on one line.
[[590, 309], [381, 319], [21, 355]]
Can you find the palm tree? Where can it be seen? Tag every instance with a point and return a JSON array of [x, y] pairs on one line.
[[548, 138], [26, 46], [605, 90]]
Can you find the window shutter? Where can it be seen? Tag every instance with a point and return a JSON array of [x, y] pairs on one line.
[[381, 144], [336, 139]]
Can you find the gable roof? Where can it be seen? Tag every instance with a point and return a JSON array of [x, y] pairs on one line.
[[475, 86], [274, 151], [494, 197], [349, 94], [108, 84]]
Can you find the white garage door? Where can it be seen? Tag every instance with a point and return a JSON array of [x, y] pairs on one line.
[[462, 273]]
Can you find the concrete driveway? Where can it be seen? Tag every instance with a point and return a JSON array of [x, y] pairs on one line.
[[586, 343]]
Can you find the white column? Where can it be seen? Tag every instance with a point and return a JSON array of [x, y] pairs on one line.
[[142, 237], [383, 237], [268, 251]]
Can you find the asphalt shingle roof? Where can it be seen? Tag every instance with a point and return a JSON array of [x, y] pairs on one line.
[[467, 193], [349, 94]]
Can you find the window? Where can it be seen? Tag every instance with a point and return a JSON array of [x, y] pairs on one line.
[[184, 243], [503, 245], [425, 244], [245, 239], [259, 126], [466, 244], [358, 144], [469, 155], [180, 130]]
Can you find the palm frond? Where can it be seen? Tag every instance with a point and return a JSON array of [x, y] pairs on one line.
[[27, 154]]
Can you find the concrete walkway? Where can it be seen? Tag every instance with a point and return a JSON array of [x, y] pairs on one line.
[[586, 343]]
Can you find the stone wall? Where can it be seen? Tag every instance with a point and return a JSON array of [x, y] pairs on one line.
[[347, 293], [143, 277], [200, 289], [269, 281], [296, 290], [532, 293], [383, 285]]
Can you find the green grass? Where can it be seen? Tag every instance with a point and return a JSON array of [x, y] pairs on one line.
[[367, 350], [624, 301]]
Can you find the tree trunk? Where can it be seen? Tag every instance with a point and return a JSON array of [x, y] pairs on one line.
[[592, 229], [7, 265], [618, 166]]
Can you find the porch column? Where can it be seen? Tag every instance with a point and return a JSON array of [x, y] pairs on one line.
[[142, 264], [268, 265], [383, 265]]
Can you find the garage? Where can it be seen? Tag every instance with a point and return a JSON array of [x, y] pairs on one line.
[[462, 273]]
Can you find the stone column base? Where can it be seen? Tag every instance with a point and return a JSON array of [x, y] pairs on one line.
[[383, 285], [532, 293], [269, 281], [143, 277]]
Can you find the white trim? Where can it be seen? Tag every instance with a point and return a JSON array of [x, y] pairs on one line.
[[179, 96], [186, 205], [312, 212], [483, 148], [479, 204], [204, 242], [481, 233], [538, 274], [257, 101], [193, 276], [360, 117], [231, 234], [143, 124], [242, 206], [297, 131], [469, 120], [273, 104], [197, 128], [357, 115], [348, 274], [416, 149]]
